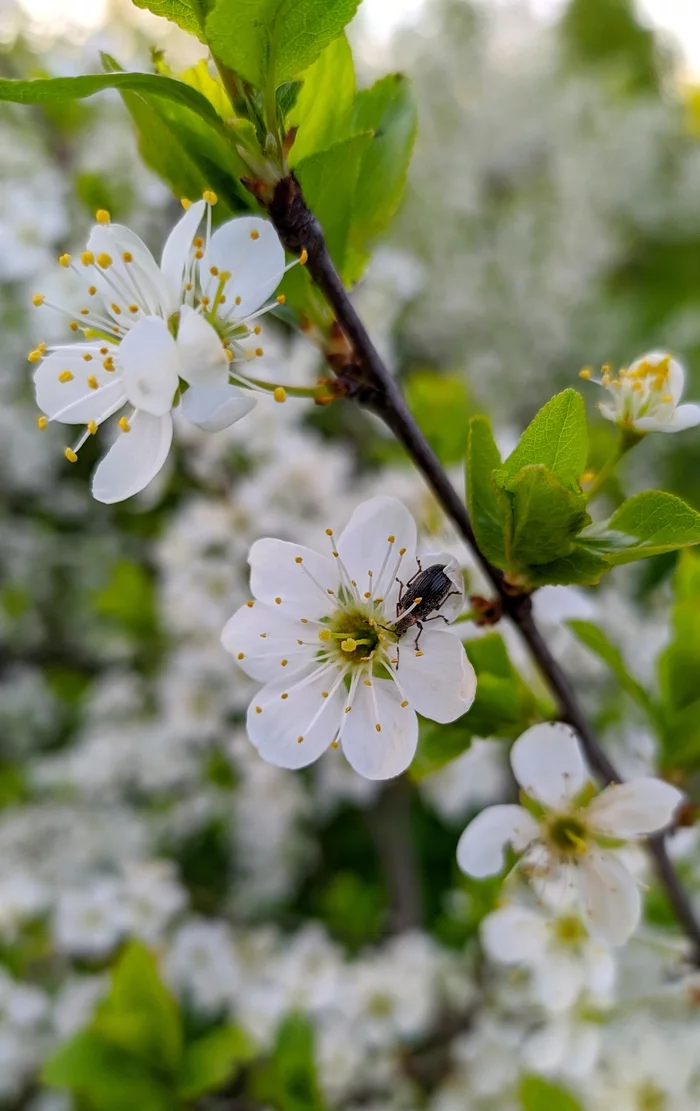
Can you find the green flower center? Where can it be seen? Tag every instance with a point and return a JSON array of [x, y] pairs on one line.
[[568, 835], [353, 635], [569, 931], [651, 1098]]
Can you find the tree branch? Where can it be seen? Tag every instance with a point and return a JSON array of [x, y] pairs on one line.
[[367, 380]]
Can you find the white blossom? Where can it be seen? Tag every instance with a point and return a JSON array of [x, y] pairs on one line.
[[318, 621], [645, 396], [567, 837], [156, 336]]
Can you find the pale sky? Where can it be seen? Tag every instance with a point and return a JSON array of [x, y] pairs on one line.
[[680, 18]]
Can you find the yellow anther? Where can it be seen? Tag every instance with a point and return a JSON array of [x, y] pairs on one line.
[[298, 559], [419, 653], [283, 663], [258, 709], [209, 196], [124, 424], [281, 299], [87, 258], [402, 551], [65, 376], [299, 740], [237, 301], [404, 704], [378, 727], [87, 357], [92, 427], [348, 709], [324, 694], [279, 394], [304, 257], [64, 260], [667, 398], [42, 422], [198, 241], [348, 645], [92, 382], [255, 234], [367, 682], [214, 271], [84, 312], [92, 290], [199, 253], [329, 532], [74, 325], [240, 656], [391, 539], [35, 356], [285, 695], [104, 260], [204, 301], [37, 300], [185, 203], [133, 308], [259, 352], [257, 330], [367, 594], [585, 373], [102, 216], [278, 601], [229, 354], [115, 309], [334, 744], [324, 634], [417, 601], [250, 604], [108, 363], [127, 256], [70, 455]]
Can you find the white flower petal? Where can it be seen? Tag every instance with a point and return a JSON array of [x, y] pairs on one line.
[[515, 935], [548, 764], [558, 981], [138, 282], [275, 724], [676, 375], [601, 970], [301, 579], [632, 809], [441, 683], [452, 606], [203, 359], [480, 851], [149, 361], [134, 459], [75, 402], [264, 637], [178, 250], [610, 897], [385, 752], [213, 408], [364, 546], [685, 416], [248, 248]]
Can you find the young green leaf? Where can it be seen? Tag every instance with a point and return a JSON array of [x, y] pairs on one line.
[[440, 403], [597, 641], [547, 517], [213, 1059], [324, 105], [140, 1015], [580, 568], [328, 181], [557, 437], [388, 110], [438, 745], [537, 1094], [488, 507], [103, 1076], [188, 14], [267, 42], [53, 89], [659, 522], [504, 705], [679, 663]]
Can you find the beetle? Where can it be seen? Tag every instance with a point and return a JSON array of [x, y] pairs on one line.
[[423, 595]]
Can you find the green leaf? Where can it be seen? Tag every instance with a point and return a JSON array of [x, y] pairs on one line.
[[50, 90], [324, 106], [547, 517], [289, 1081], [440, 403], [504, 705], [104, 1076], [188, 14], [212, 1060], [140, 1015], [681, 737], [439, 745], [488, 508], [388, 110], [328, 180], [658, 521], [679, 663], [580, 568], [595, 639], [199, 77], [270, 41], [537, 1094], [557, 437]]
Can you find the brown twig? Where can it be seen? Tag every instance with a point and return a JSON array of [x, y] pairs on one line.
[[368, 382]]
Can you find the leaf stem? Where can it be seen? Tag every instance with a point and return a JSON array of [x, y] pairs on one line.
[[624, 444], [368, 382]]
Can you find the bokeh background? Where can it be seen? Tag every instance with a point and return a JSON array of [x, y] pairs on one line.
[[552, 220]]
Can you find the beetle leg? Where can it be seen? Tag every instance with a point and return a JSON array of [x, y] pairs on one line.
[[402, 587], [420, 632], [437, 617]]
